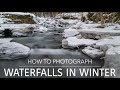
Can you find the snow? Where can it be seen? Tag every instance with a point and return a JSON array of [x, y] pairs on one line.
[[17, 13], [112, 40], [19, 34], [14, 26], [112, 60], [77, 26], [69, 15], [75, 42], [113, 50], [13, 50], [53, 23], [4, 20], [40, 28], [5, 40], [93, 52], [70, 32]]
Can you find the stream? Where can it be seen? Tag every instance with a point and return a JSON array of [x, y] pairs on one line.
[[47, 45]]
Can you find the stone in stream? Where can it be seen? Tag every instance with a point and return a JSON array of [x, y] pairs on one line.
[[93, 52], [13, 50]]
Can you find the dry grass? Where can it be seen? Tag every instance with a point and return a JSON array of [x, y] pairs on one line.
[[21, 19]]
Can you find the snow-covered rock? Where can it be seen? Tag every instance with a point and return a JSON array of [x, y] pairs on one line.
[[13, 50], [77, 26], [75, 42], [18, 30], [93, 52], [5, 40], [70, 32], [4, 20], [112, 40], [112, 60], [91, 31], [19, 34], [69, 15], [53, 23], [40, 28]]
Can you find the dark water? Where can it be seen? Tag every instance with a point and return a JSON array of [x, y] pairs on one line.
[[47, 45]]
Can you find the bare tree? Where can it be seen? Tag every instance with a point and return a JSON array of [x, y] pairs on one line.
[[102, 19]]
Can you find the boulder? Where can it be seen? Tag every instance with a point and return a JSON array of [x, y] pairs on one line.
[[112, 40], [70, 32], [75, 42], [13, 50], [112, 60], [93, 52]]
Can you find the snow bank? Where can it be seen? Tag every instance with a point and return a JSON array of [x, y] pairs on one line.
[[93, 52], [113, 41], [14, 26], [19, 34], [22, 30], [75, 42], [70, 32], [13, 50], [5, 40], [90, 31]]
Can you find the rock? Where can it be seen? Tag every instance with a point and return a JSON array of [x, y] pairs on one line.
[[70, 32], [112, 60], [5, 40], [77, 26], [64, 43], [19, 34], [75, 42], [69, 16], [79, 36], [97, 37], [13, 50], [40, 28], [112, 40], [93, 52]]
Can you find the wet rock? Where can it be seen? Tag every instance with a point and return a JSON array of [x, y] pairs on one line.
[[64, 43]]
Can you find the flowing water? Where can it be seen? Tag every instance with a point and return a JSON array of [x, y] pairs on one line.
[[47, 45]]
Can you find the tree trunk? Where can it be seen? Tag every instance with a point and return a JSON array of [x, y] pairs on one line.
[[102, 19]]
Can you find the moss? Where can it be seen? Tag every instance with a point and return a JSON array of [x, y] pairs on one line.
[[20, 19]]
